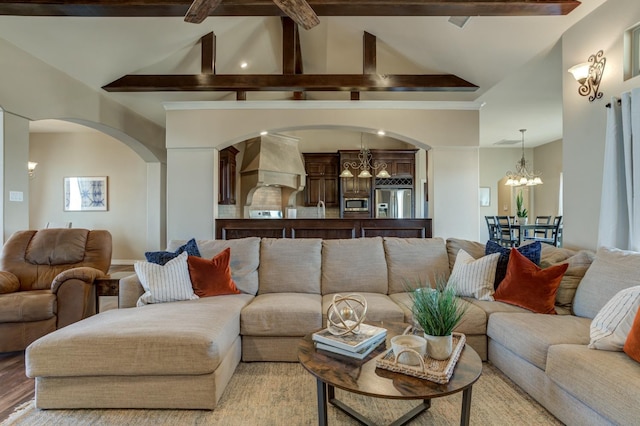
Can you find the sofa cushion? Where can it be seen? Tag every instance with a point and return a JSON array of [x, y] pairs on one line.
[[282, 314], [611, 326], [27, 306], [632, 344], [530, 335], [473, 322], [412, 260], [491, 307], [354, 265], [290, 265], [528, 286], [608, 382], [578, 263], [165, 283], [380, 307], [189, 337], [162, 257], [612, 270], [474, 277], [530, 251], [454, 245], [245, 258], [212, 277]]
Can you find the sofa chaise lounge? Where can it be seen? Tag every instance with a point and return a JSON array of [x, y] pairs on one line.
[[182, 354]]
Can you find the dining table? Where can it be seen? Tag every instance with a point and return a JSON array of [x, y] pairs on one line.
[[525, 230]]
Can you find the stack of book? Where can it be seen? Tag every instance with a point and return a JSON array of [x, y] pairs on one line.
[[352, 345]]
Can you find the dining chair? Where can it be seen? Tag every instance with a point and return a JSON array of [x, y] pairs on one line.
[[492, 227], [542, 232], [506, 233], [555, 239]]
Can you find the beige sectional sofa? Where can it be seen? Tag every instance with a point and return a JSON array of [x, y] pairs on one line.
[[182, 354]]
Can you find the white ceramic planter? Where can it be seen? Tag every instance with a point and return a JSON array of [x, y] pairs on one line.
[[439, 347]]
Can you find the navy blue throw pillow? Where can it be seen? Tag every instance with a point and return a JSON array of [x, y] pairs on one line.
[[530, 251], [162, 257]]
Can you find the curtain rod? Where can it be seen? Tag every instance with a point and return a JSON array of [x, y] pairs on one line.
[[619, 101]]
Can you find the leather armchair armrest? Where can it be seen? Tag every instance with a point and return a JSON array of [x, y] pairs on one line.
[[75, 294], [83, 273], [130, 291], [9, 283]]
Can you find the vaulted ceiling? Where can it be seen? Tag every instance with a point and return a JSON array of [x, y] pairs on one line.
[[514, 60]]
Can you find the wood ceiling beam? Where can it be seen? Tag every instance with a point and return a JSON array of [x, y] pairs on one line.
[[290, 83], [208, 59], [291, 51], [149, 8]]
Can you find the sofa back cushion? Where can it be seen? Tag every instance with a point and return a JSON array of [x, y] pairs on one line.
[[245, 259], [290, 265], [413, 260], [473, 248], [612, 270], [354, 265]]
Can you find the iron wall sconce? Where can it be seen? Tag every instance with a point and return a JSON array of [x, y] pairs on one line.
[[589, 75]]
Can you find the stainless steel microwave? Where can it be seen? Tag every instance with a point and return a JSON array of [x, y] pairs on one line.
[[356, 204]]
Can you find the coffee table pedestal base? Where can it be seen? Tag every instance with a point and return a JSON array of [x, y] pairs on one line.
[[326, 394]]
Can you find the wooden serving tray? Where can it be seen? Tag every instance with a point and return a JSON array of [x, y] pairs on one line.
[[430, 369]]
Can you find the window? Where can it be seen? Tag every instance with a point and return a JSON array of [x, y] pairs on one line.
[[632, 52]]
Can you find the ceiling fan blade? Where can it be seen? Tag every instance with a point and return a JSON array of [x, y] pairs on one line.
[[199, 10], [300, 11]]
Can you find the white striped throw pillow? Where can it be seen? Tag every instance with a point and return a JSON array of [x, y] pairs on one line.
[[611, 326], [165, 283], [474, 277]]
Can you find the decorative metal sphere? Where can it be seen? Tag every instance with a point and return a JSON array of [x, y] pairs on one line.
[[346, 313]]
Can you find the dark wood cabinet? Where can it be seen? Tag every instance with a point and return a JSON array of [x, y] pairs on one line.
[[227, 176], [322, 179], [400, 163], [228, 229]]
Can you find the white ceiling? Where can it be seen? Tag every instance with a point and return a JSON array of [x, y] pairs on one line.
[[516, 61]]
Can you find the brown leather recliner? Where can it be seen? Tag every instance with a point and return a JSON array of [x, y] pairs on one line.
[[46, 281]]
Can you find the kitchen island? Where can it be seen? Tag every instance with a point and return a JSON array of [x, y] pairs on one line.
[[228, 229]]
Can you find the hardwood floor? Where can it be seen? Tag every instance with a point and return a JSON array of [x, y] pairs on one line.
[[16, 387]]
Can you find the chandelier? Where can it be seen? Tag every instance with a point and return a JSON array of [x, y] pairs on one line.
[[522, 175], [364, 164]]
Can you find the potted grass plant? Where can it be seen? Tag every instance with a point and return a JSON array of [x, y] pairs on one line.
[[521, 212], [437, 311]]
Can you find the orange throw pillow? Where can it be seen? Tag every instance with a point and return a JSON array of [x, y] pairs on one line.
[[632, 344], [528, 286], [212, 277]]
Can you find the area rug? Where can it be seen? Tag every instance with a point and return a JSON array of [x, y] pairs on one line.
[[285, 394]]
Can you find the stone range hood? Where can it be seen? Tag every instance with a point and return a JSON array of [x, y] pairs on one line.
[[271, 161]]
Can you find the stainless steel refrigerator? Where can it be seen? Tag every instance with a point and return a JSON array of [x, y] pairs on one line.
[[396, 203]]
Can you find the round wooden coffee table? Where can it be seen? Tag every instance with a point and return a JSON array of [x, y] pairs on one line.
[[361, 376]]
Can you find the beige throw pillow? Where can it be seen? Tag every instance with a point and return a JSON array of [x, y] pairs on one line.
[[611, 326], [474, 278], [165, 283]]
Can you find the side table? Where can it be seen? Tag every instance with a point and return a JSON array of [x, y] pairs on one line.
[[109, 285]]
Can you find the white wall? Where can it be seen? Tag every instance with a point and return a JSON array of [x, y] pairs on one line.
[[455, 192], [584, 122], [91, 154], [14, 145], [548, 161]]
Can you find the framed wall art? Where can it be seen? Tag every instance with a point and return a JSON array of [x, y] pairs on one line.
[[85, 194], [484, 195]]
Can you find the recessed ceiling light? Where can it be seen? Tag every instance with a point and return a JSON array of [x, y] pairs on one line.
[[381, 133], [263, 133], [243, 65]]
